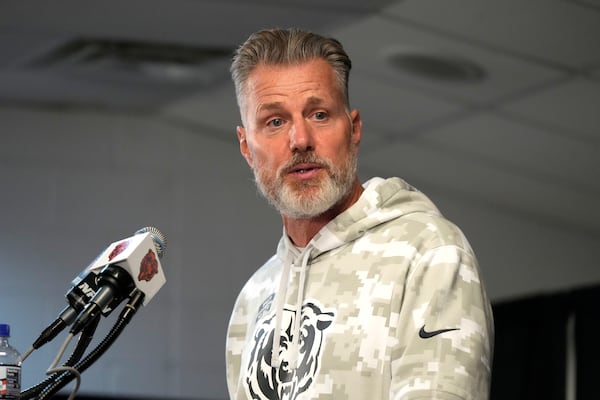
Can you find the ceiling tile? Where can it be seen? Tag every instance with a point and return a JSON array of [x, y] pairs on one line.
[[213, 113], [392, 112], [572, 107], [558, 32], [525, 150], [469, 178], [506, 75], [193, 22]]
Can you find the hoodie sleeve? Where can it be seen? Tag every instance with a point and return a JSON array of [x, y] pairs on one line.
[[445, 330]]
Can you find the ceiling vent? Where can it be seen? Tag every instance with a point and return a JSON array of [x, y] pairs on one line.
[[132, 61]]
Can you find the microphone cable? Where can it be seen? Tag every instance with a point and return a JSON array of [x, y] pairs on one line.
[[85, 338], [129, 310], [54, 369]]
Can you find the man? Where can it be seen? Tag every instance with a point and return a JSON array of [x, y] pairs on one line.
[[372, 294]]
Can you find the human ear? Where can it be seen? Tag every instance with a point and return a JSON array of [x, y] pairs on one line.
[[356, 122], [241, 134]]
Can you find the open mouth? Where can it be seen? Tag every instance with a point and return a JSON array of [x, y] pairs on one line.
[[302, 170], [305, 169]]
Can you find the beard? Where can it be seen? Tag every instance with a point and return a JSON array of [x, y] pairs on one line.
[[310, 198]]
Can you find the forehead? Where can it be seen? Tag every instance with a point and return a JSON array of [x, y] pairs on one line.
[[286, 80]]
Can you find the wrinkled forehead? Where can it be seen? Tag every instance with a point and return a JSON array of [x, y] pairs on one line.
[[315, 81]]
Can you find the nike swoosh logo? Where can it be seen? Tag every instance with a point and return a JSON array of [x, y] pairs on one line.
[[423, 334]]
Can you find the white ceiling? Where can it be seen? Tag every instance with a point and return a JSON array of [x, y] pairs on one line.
[[523, 140]]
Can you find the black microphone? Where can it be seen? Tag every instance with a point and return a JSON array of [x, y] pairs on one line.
[[85, 285], [126, 265], [83, 289]]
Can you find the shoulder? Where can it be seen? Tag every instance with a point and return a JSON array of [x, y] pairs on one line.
[[423, 231]]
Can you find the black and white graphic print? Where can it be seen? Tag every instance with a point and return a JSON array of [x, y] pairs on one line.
[[262, 380]]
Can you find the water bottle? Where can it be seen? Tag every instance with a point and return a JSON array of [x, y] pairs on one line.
[[10, 367]]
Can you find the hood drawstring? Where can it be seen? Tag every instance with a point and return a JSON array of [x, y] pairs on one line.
[[281, 295], [298, 317], [280, 303]]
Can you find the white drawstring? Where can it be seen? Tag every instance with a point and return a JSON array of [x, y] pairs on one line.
[[298, 311], [281, 295], [280, 304]]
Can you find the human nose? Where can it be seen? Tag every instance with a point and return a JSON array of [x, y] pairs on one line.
[[301, 137]]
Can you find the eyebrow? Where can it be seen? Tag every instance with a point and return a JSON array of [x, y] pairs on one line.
[[277, 105], [315, 101]]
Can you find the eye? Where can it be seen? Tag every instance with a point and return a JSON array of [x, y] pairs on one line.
[[320, 115], [275, 123]]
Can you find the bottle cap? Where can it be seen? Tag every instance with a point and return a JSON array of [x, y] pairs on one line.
[[4, 330]]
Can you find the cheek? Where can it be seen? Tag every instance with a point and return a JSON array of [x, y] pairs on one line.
[[269, 155], [262, 159], [340, 151]]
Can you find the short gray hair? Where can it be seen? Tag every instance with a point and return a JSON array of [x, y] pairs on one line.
[[288, 47]]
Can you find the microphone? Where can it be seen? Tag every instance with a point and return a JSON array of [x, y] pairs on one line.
[[126, 265], [85, 285], [83, 288]]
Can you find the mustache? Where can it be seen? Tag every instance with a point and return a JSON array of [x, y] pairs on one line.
[[304, 158]]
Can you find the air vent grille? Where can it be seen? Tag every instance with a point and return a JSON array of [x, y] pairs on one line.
[[159, 61]]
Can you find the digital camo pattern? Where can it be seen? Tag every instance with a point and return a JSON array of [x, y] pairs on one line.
[[394, 276]]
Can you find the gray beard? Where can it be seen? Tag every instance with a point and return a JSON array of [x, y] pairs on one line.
[[292, 202]]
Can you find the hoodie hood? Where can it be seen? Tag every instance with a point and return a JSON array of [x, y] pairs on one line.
[[382, 200]]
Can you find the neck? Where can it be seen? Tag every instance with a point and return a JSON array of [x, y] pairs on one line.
[[301, 231]]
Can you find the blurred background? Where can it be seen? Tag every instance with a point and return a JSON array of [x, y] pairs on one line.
[[116, 115]]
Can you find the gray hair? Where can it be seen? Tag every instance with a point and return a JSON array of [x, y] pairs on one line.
[[288, 47]]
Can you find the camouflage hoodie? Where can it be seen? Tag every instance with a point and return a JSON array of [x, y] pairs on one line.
[[385, 302]]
